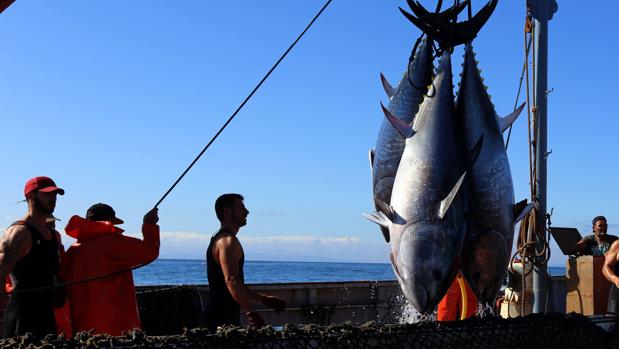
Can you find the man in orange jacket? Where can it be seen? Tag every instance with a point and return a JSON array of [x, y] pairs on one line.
[[450, 307], [107, 305]]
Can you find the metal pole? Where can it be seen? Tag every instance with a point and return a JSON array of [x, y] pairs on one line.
[[541, 11]]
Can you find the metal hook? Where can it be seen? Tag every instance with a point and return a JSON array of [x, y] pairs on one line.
[[548, 91], [547, 153]]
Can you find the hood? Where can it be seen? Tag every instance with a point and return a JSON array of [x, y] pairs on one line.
[[82, 229]]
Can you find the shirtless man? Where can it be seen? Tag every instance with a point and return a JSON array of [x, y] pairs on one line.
[[29, 253], [228, 294]]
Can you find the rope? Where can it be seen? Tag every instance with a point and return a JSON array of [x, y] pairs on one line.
[[100, 277], [528, 236], [524, 68], [243, 103]]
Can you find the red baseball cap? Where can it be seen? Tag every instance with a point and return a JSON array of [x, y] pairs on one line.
[[42, 184]]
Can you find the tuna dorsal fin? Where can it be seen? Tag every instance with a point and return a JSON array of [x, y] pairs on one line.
[[402, 127], [521, 209], [446, 203], [508, 120], [387, 86]]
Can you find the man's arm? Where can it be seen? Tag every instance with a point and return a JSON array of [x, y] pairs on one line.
[[15, 244], [610, 258], [228, 250], [129, 251]]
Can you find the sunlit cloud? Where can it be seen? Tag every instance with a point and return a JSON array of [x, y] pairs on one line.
[[295, 247]]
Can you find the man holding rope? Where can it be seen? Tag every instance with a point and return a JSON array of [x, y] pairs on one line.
[[29, 253], [103, 258], [228, 294]]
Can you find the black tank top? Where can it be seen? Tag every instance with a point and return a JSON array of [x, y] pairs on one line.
[[221, 308], [33, 311]]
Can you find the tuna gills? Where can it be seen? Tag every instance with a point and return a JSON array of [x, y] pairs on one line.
[[487, 248], [426, 217], [404, 101]]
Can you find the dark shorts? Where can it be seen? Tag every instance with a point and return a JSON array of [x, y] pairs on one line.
[[28, 314], [613, 300]]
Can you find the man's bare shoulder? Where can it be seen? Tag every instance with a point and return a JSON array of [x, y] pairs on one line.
[[614, 247], [18, 232], [227, 240]]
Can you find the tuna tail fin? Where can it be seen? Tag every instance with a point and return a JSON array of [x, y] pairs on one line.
[[402, 127], [449, 34], [387, 86], [446, 203], [508, 120], [521, 209], [434, 18], [422, 25]]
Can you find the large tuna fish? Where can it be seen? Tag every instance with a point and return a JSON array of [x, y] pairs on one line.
[[426, 218], [487, 248], [404, 102]]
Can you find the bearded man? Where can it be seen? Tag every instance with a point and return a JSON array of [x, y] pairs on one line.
[[29, 254]]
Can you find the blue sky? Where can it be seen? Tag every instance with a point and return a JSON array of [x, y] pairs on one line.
[[113, 99]]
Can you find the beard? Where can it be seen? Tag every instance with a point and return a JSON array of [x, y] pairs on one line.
[[42, 207]]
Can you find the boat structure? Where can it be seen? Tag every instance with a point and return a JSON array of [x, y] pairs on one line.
[[443, 199]]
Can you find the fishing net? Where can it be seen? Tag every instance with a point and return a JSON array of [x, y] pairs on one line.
[[533, 331], [165, 311]]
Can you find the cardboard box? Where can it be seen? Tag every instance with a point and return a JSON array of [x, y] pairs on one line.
[[587, 288]]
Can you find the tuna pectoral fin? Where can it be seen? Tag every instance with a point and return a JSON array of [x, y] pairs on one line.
[[371, 157], [508, 120], [387, 86], [383, 216], [521, 209], [379, 218], [446, 203], [473, 154], [402, 127]]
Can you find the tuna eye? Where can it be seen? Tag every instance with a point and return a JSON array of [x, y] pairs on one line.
[[437, 275]]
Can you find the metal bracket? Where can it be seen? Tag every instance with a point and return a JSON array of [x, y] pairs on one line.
[[547, 153], [542, 9]]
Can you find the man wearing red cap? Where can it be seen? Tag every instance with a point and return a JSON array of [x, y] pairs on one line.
[[106, 305], [29, 253]]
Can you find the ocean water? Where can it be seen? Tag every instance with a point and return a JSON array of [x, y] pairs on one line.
[[184, 271]]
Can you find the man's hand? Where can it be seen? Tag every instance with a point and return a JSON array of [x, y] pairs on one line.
[[254, 319], [152, 217], [274, 303]]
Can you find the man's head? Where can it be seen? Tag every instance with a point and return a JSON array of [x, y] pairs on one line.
[[600, 226], [230, 209], [103, 212], [41, 194]]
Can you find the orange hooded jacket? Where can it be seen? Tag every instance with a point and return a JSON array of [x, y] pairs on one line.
[[107, 305], [450, 307]]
